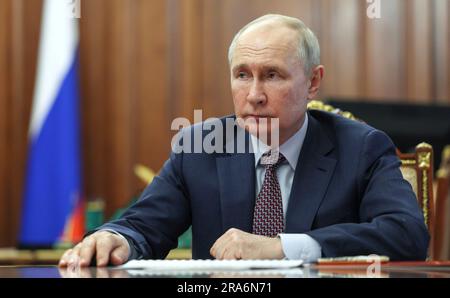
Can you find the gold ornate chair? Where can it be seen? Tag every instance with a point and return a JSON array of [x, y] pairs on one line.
[[442, 208], [416, 167], [319, 105]]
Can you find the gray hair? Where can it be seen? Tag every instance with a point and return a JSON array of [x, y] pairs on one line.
[[308, 46]]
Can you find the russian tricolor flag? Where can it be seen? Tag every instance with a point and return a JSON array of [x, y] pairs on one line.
[[52, 206]]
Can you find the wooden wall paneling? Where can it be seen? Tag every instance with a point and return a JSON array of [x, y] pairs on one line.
[[441, 51], [26, 25], [385, 54], [251, 9], [448, 52], [214, 63], [185, 56], [152, 114], [419, 51], [191, 24], [5, 71], [120, 78], [173, 57], [217, 36], [17, 139], [342, 47], [326, 55], [93, 101]]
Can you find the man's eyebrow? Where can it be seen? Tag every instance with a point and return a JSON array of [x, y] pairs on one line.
[[272, 68], [264, 68], [240, 66]]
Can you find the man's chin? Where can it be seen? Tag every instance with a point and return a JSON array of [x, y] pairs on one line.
[[259, 129], [259, 132]]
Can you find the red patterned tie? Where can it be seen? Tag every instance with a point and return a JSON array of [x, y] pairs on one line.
[[268, 214]]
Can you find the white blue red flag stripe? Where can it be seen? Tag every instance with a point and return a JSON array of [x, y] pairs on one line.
[[52, 206]]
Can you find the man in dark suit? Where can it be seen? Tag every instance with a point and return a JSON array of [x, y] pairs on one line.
[[332, 187]]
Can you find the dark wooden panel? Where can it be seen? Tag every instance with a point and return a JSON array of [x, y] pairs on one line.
[[186, 52], [441, 54], [24, 59], [25, 40], [124, 67], [93, 62], [214, 61], [5, 57], [418, 51], [119, 85], [93, 98], [385, 56], [152, 112], [18, 41], [342, 47]]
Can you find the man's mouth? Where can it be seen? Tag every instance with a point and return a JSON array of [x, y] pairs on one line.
[[257, 116]]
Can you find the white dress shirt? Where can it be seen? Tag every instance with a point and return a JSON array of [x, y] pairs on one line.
[[295, 246]]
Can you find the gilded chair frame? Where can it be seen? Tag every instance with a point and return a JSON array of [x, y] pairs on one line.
[[442, 208], [421, 161]]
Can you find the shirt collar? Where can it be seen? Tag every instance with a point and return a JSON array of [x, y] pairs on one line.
[[290, 149]]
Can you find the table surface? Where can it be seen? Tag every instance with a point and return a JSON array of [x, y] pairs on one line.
[[41, 264], [388, 270], [12, 256]]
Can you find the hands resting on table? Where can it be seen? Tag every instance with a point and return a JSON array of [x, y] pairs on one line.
[[112, 249]]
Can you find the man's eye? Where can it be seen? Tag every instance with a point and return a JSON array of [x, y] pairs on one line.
[[273, 75], [242, 75]]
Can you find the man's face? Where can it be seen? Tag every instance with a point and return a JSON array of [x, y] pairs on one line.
[[268, 81]]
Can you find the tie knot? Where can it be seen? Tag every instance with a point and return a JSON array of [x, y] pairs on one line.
[[272, 159]]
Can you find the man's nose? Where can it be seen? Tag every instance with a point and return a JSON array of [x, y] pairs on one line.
[[256, 94]]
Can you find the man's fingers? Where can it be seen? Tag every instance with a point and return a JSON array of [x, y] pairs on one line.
[[232, 251], [87, 250], [226, 253], [230, 254], [217, 250], [213, 249], [74, 256], [218, 245], [104, 246], [119, 255], [65, 258], [222, 249]]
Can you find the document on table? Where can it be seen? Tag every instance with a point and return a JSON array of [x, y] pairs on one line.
[[210, 265]]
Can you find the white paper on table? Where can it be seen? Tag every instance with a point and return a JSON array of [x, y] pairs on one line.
[[210, 265], [291, 272]]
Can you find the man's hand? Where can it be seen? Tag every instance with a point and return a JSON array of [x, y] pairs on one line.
[[236, 244], [106, 246]]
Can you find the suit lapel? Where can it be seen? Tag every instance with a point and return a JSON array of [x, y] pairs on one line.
[[312, 176], [236, 174]]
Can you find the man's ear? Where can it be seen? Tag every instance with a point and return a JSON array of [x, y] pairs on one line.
[[315, 80]]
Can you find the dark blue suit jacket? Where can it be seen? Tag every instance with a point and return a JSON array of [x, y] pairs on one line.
[[348, 194]]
